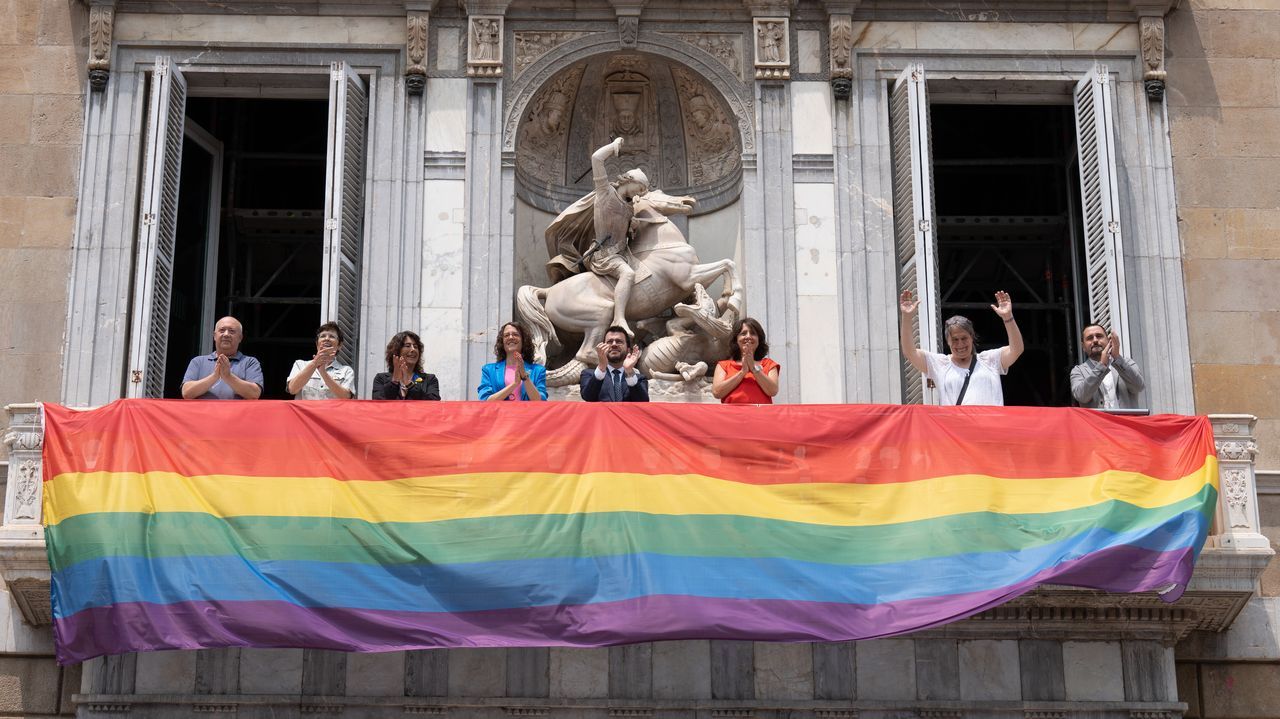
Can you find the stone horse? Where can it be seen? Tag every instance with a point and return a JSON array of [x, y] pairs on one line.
[[583, 303]]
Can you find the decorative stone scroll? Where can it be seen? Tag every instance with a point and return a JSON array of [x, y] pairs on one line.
[[484, 46], [723, 46], [415, 75], [1151, 32], [841, 50], [773, 48], [1238, 524], [101, 23], [529, 46]]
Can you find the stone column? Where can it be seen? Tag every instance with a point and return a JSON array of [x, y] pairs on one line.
[[487, 254], [23, 562], [769, 235], [1236, 522]]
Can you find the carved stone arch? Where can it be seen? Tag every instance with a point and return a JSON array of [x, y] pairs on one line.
[[688, 121], [737, 94]]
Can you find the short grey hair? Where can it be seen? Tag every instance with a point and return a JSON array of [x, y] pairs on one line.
[[959, 322]]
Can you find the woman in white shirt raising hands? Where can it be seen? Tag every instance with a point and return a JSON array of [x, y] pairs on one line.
[[963, 377]]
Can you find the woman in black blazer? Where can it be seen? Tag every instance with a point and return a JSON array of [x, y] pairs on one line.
[[404, 378]]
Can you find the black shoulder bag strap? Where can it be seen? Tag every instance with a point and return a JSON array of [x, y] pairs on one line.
[[973, 364]]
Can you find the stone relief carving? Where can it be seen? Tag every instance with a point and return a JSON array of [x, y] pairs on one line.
[[666, 269], [101, 23], [630, 111], [543, 133], [529, 46], [26, 493], [1235, 491], [32, 597], [416, 51], [484, 45], [840, 48], [725, 47], [773, 48], [1237, 451], [628, 30], [709, 136], [1151, 34]]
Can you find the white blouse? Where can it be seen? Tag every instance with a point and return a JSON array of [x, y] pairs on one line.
[[984, 386]]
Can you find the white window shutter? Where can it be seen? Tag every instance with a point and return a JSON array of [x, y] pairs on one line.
[[157, 229], [344, 206], [914, 219], [1103, 251]]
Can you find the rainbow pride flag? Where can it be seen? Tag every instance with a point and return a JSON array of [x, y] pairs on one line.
[[375, 526]]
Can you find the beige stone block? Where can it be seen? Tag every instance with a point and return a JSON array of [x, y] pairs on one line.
[[884, 35], [1251, 389], [31, 377], [1253, 234], [140, 27], [1244, 34], [1232, 285], [1184, 34], [1104, 36], [1240, 689], [1240, 182], [58, 23], [14, 79], [28, 685], [8, 30], [1203, 231], [994, 36], [12, 216], [35, 326], [43, 170], [54, 70], [1233, 4], [57, 119], [15, 119], [1193, 131], [1225, 82], [33, 273], [1234, 337], [1248, 132], [25, 18], [49, 222], [1268, 433]]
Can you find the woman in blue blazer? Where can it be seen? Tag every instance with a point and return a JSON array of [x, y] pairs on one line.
[[512, 378]]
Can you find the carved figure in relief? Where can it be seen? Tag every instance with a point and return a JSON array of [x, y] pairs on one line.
[[770, 37], [485, 34], [640, 266], [626, 113], [714, 149]]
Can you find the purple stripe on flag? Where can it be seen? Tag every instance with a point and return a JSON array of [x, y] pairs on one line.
[[192, 625]]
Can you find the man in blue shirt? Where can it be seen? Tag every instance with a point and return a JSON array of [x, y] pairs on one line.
[[225, 373]]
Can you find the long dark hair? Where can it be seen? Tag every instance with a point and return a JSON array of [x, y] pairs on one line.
[[762, 349], [396, 343], [526, 343]]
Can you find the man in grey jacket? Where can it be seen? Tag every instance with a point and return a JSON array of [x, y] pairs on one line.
[[1106, 380]]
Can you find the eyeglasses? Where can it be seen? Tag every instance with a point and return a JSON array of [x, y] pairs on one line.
[[616, 341]]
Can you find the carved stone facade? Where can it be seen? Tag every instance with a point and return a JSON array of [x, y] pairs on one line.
[[101, 22], [484, 45], [529, 46], [416, 33], [773, 48], [1151, 32], [676, 127], [725, 47]]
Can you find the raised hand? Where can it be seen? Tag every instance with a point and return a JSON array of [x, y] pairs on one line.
[[1003, 306], [1113, 340], [602, 354], [907, 305], [633, 356]]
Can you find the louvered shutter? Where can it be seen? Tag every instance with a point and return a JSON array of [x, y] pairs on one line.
[[913, 218], [157, 228], [344, 206], [1103, 252]]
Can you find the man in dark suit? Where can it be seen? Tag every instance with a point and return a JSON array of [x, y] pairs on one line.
[[615, 378]]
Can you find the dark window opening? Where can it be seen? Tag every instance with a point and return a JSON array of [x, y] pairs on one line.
[[269, 248], [1006, 192]]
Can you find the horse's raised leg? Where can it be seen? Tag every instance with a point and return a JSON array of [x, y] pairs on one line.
[[709, 272]]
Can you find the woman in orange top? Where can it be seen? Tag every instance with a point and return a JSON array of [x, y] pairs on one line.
[[750, 377]]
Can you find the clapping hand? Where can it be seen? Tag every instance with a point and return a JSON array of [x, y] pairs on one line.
[[907, 305], [633, 356], [222, 366], [1003, 306], [602, 355], [521, 374], [403, 372]]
